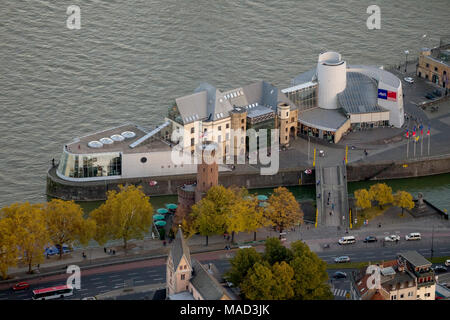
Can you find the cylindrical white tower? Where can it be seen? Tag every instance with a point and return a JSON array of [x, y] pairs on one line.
[[332, 78]]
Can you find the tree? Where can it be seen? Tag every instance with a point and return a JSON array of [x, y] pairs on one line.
[[8, 246], [362, 199], [30, 231], [243, 261], [310, 275], [266, 283], [65, 223], [382, 193], [403, 200], [125, 215], [283, 210], [275, 252]]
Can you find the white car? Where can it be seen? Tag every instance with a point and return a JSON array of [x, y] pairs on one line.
[[342, 259], [413, 236], [409, 80], [447, 263], [392, 237]]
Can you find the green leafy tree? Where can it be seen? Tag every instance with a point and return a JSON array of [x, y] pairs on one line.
[[403, 200], [125, 215], [275, 251], [243, 261], [382, 193], [310, 275]]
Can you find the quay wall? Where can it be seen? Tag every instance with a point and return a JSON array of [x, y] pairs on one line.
[[167, 185]]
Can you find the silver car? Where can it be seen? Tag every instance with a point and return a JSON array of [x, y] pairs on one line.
[[342, 259]]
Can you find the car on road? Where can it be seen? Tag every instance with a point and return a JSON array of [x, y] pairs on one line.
[[340, 275], [392, 238], [342, 259], [413, 236], [370, 239], [347, 240], [409, 79], [447, 263], [21, 286], [439, 269]]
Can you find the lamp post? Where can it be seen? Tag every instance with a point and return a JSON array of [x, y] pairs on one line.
[[432, 243], [406, 58]]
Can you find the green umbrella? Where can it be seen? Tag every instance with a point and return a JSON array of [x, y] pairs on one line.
[[158, 217], [160, 223], [171, 206], [262, 197], [162, 210]]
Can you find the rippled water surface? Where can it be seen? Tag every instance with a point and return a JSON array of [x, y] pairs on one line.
[[132, 58]]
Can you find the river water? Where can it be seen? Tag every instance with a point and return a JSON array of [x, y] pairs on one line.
[[131, 59]]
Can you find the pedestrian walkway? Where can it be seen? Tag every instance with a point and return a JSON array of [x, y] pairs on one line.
[[340, 292]]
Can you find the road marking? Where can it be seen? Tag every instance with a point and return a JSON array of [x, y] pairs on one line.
[[115, 280], [157, 278], [132, 274]]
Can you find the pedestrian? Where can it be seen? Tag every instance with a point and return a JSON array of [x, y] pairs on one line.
[[330, 213], [114, 252], [104, 249]]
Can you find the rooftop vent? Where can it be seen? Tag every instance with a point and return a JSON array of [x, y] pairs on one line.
[[95, 144]]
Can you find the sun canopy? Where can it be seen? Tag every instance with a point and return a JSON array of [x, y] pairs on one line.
[[262, 197], [158, 217], [160, 223], [162, 210], [171, 206]]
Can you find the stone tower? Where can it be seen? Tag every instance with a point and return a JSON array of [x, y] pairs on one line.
[[207, 170], [239, 127], [287, 122]]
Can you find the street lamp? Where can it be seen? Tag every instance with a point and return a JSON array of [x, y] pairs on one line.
[[406, 58]]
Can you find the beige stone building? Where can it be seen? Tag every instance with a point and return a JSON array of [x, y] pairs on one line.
[[434, 65], [188, 279]]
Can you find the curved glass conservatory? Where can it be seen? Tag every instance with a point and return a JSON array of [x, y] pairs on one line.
[[90, 165]]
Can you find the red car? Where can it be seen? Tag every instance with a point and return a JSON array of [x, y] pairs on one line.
[[21, 286]]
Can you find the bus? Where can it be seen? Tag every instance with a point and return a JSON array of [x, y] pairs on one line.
[[52, 293]]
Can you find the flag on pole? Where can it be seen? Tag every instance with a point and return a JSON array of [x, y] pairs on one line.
[[421, 130], [428, 132], [414, 132], [407, 134]]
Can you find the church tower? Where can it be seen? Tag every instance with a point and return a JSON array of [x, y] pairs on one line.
[[179, 266], [207, 170]]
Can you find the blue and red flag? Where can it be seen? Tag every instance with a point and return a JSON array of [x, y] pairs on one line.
[[421, 130], [414, 131], [428, 132]]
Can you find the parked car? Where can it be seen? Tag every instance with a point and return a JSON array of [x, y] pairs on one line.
[[21, 286], [65, 248], [430, 96], [447, 263], [409, 80], [392, 238], [340, 275], [347, 240], [439, 269], [370, 239], [50, 251], [413, 236], [342, 259]]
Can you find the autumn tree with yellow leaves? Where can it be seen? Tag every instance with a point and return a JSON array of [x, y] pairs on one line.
[[403, 200], [363, 199], [8, 246], [283, 210], [382, 193], [65, 223], [125, 215], [30, 234]]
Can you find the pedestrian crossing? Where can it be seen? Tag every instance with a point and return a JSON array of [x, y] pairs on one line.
[[339, 292]]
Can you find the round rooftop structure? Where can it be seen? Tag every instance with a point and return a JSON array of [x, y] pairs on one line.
[[128, 134], [117, 137], [332, 78], [106, 141], [95, 144]]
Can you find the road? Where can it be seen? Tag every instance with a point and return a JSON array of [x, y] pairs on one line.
[[100, 280]]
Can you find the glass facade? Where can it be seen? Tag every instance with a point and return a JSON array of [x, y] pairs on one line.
[[305, 98], [90, 166]]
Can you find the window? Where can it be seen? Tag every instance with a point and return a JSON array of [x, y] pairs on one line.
[[435, 69], [220, 128], [192, 141], [183, 276], [227, 136], [292, 119], [228, 125], [242, 120], [242, 128], [394, 297], [428, 65], [401, 296], [219, 139], [192, 130]]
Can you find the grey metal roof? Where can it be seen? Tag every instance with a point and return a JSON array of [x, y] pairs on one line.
[[360, 94], [253, 112], [304, 77], [206, 104], [265, 94], [205, 283], [179, 249], [323, 119], [415, 258]]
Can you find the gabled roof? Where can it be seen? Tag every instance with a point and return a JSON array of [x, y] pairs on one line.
[[179, 249], [206, 104], [205, 283], [265, 94]]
